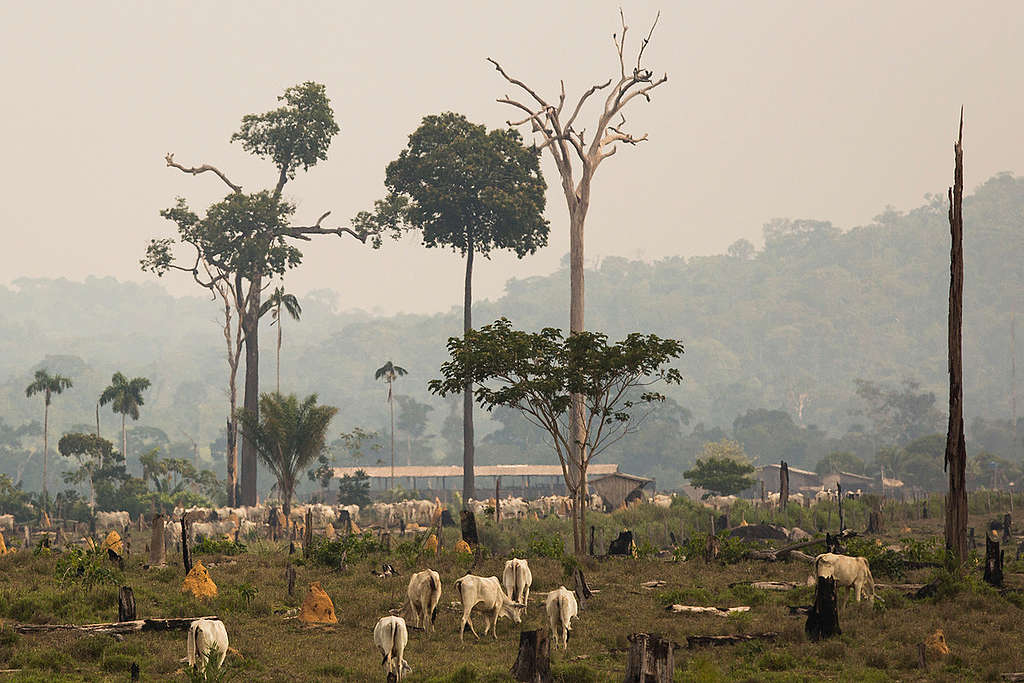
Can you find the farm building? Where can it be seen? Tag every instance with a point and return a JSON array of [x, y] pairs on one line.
[[617, 487], [806, 481], [442, 481]]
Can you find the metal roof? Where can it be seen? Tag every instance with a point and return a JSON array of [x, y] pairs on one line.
[[620, 475], [384, 471]]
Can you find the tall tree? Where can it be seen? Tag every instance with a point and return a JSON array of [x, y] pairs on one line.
[[49, 386], [537, 373], [125, 397], [96, 458], [473, 191], [245, 239], [570, 147], [278, 300], [956, 449], [388, 373], [288, 436]]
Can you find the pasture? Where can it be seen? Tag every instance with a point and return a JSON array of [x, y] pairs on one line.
[[981, 624]]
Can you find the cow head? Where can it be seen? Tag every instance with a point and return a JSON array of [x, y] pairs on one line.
[[513, 610]]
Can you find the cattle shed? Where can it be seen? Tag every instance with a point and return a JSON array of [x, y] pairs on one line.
[[769, 474], [443, 481], [617, 487]]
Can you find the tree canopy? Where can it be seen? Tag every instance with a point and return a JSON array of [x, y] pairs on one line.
[[723, 469]]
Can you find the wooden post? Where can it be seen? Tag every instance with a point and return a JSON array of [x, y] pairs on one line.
[[762, 492], [28, 539], [497, 500], [291, 579], [823, 619], [956, 449], [651, 659], [307, 536], [126, 604], [186, 556], [582, 590], [1007, 527], [157, 550], [993, 562], [532, 662], [783, 485], [591, 549], [839, 497], [921, 661]]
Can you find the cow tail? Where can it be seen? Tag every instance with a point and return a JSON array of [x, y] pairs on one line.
[[192, 644]]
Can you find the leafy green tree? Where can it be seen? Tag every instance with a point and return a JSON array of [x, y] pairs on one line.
[[723, 469], [840, 461], [14, 501], [97, 460], [473, 191], [538, 373], [244, 239], [288, 436], [125, 397], [354, 444], [388, 373], [278, 300], [354, 490], [176, 482], [49, 386]]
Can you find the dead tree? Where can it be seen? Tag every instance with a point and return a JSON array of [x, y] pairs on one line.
[[532, 662], [157, 549], [993, 562], [783, 485], [126, 604], [186, 556], [577, 157], [956, 450], [823, 619], [468, 520], [651, 659]]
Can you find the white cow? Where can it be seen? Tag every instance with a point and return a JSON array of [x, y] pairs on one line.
[[7, 522], [204, 635], [561, 608], [424, 594], [390, 636], [518, 579], [477, 590], [847, 571], [113, 520]]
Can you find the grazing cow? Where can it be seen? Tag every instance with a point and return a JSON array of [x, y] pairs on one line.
[[204, 635], [113, 520], [662, 501], [477, 590], [847, 571], [7, 522], [561, 608], [518, 579], [424, 594], [390, 636]]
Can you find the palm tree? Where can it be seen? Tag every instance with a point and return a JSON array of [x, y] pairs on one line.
[[48, 385], [288, 436], [389, 372], [274, 303], [125, 397]]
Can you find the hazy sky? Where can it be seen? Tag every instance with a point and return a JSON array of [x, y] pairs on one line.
[[799, 109]]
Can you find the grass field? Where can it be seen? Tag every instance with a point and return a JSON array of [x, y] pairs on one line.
[[981, 625]]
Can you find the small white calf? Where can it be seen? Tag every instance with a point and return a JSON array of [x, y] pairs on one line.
[[561, 608], [424, 594], [847, 571], [204, 635], [518, 579], [477, 590], [390, 636]]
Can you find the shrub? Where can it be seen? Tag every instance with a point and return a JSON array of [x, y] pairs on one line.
[[352, 547], [541, 545], [86, 568], [213, 546]]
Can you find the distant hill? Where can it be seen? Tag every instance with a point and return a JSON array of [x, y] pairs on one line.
[[789, 326]]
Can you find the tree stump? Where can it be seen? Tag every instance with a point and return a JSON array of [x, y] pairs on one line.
[[993, 563], [532, 662], [622, 544], [1007, 527], [875, 522], [712, 549], [186, 556], [134, 671], [291, 580], [157, 550], [307, 536], [783, 484], [591, 548], [823, 619], [582, 590], [651, 659], [839, 498], [469, 534], [126, 604]]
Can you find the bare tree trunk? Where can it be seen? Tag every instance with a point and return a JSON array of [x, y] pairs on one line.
[[956, 449], [251, 325], [279, 348], [124, 437], [468, 450], [391, 405], [46, 443]]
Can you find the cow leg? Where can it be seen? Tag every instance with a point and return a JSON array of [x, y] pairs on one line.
[[467, 619], [526, 598], [494, 624]]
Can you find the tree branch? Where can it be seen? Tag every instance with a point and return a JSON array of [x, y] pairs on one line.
[[302, 232], [196, 170], [517, 82]]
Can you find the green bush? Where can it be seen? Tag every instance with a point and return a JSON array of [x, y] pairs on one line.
[[352, 547], [545, 545], [212, 546], [86, 568]]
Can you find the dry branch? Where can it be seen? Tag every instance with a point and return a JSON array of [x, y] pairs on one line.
[[196, 170], [720, 611], [178, 624], [702, 641]]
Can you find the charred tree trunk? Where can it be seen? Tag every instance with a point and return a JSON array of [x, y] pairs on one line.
[[232, 462], [186, 556], [468, 450], [469, 527], [993, 563], [956, 449], [126, 604], [533, 663], [783, 484], [651, 659], [157, 550], [823, 619]]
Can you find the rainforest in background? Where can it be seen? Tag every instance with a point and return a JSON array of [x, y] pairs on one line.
[[821, 345]]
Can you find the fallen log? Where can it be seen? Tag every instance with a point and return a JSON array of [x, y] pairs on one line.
[[702, 641], [772, 585], [1006, 677], [720, 611], [179, 624]]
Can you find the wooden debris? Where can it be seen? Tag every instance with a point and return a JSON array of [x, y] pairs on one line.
[[703, 641], [771, 585], [651, 585], [179, 624], [720, 611]]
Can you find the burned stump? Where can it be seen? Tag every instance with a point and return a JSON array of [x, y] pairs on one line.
[[651, 659], [468, 521], [126, 604], [993, 563], [532, 662], [823, 619], [623, 544]]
